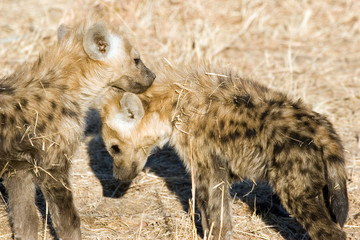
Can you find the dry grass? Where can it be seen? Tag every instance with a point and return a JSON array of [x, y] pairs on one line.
[[309, 49]]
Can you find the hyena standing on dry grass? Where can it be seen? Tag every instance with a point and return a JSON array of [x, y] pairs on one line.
[[42, 109], [229, 128]]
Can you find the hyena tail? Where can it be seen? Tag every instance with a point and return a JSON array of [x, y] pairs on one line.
[[336, 193]]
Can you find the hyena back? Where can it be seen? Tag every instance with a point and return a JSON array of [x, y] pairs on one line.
[[228, 129], [42, 108]]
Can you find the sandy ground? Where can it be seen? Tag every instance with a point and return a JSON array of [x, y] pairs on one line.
[[309, 49]]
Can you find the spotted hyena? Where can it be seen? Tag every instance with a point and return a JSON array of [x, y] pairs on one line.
[[42, 109], [229, 128]]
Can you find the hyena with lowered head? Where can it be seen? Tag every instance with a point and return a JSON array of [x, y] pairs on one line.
[[42, 110], [229, 128]]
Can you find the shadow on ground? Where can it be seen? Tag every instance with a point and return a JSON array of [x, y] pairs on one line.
[[166, 164]]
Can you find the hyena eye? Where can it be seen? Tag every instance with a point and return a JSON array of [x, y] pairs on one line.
[[137, 61], [115, 149]]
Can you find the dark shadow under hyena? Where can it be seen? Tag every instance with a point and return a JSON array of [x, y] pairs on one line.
[[165, 163]]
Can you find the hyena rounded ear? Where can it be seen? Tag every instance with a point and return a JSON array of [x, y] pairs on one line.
[[96, 42], [132, 106], [62, 32]]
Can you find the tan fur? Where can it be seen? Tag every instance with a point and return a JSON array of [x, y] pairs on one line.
[[232, 128], [42, 110]]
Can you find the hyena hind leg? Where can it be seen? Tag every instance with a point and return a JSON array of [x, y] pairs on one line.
[[56, 190], [21, 192], [313, 215]]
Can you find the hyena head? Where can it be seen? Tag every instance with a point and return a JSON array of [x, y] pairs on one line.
[[109, 47], [127, 137]]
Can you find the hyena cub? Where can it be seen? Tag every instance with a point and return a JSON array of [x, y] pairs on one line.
[[42, 108], [229, 128]]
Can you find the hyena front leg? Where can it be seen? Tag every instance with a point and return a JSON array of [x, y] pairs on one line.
[[21, 191], [213, 200], [56, 189]]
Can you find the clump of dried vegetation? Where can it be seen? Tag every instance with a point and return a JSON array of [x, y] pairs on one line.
[[309, 49]]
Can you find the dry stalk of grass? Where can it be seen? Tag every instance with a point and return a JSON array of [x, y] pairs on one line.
[[309, 49]]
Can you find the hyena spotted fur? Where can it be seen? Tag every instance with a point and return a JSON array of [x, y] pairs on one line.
[[42, 110], [228, 129]]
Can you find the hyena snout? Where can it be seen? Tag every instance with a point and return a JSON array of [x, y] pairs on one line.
[[125, 173], [135, 85]]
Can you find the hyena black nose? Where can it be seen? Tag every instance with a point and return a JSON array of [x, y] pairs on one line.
[[151, 75]]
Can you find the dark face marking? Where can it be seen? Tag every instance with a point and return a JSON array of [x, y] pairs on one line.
[[114, 149]]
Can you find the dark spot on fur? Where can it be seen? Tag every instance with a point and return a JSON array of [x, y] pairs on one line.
[[275, 116], [301, 139], [261, 127], [4, 89], [296, 105], [50, 117], [41, 127], [235, 135], [335, 159], [278, 103], [284, 130], [2, 119], [243, 124], [38, 97], [278, 148], [224, 139], [318, 167], [304, 171], [212, 135], [232, 122], [24, 121], [69, 113], [264, 115], [12, 120], [243, 100], [53, 105], [17, 107], [250, 133], [299, 116], [273, 133], [24, 102], [320, 234]]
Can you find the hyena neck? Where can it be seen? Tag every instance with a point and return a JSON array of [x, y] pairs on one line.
[[159, 102], [72, 75]]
